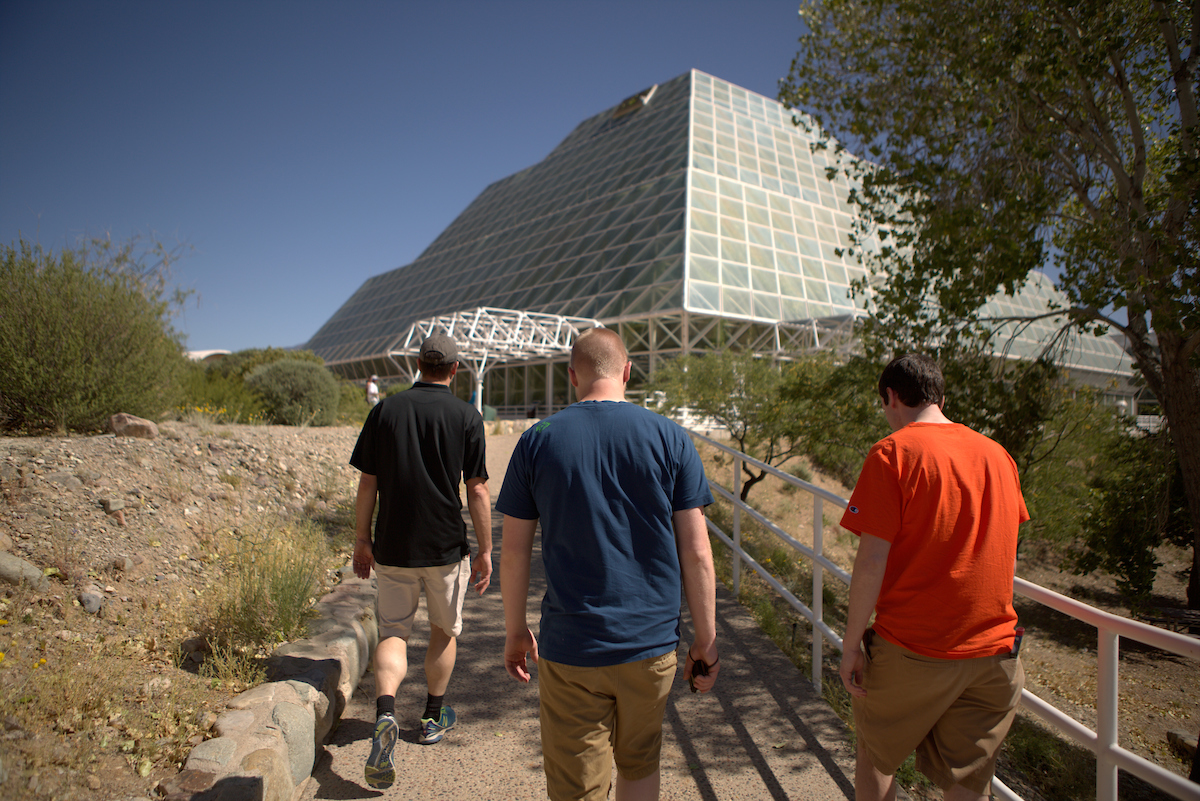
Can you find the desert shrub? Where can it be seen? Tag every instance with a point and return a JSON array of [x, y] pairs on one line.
[[352, 406], [241, 364], [801, 471], [297, 392], [272, 573], [225, 398], [1137, 503], [84, 334]]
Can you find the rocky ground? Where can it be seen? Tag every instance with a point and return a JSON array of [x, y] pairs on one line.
[[131, 534]]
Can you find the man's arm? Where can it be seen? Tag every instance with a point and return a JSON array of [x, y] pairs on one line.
[[364, 510], [700, 589], [516, 551], [479, 504], [869, 565]]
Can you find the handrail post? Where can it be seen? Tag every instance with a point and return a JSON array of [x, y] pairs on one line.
[[737, 527], [818, 591], [1107, 654]]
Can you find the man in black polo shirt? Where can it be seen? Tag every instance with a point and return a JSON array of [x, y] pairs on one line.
[[413, 450]]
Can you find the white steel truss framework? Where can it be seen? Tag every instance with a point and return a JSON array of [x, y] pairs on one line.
[[487, 337]]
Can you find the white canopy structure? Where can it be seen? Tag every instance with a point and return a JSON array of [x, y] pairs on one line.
[[487, 337]]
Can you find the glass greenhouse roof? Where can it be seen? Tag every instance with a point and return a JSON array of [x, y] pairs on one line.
[[693, 197], [1027, 340]]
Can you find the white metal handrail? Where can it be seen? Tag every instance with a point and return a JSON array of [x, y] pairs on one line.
[[1110, 628]]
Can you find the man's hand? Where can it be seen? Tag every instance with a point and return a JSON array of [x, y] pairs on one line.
[[364, 559], [851, 669], [709, 655], [481, 571], [516, 649]]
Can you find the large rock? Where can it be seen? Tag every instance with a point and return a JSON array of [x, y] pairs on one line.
[[15, 570], [127, 425]]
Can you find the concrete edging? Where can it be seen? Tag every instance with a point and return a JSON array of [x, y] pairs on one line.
[[269, 737]]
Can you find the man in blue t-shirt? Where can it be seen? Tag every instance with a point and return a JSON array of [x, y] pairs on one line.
[[620, 493]]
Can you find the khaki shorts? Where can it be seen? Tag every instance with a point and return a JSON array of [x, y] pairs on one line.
[[954, 713], [591, 715], [400, 592]]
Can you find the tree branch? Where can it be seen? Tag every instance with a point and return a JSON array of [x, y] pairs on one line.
[[1182, 71]]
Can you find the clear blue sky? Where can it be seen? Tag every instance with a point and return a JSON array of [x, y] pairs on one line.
[[299, 148]]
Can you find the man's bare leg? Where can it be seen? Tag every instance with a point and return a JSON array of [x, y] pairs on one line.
[[439, 660], [391, 665], [644, 789], [869, 783]]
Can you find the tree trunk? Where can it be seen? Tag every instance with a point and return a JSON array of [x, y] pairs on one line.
[[751, 481], [1181, 402]]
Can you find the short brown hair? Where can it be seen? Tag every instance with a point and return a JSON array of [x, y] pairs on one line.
[[915, 378], [435, 372], [599, 351]]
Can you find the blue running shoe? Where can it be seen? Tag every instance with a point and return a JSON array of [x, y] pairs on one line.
[[434, 730], [380, 771]]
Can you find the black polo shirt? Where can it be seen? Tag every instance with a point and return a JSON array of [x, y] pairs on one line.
[[419, 444]]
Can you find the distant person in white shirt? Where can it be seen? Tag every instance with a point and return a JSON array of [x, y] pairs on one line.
[[373, 390]]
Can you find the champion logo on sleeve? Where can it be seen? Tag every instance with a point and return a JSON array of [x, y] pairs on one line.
[[852, 510]]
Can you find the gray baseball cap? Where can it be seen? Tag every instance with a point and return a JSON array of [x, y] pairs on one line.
[[439, 349]]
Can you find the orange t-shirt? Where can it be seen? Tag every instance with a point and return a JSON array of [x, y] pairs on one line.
[[949, 501]]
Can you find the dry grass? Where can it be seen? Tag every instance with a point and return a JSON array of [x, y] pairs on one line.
[[104, 705], [93, 690]]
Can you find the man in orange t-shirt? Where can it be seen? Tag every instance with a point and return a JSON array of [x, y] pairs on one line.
[[936, 509]]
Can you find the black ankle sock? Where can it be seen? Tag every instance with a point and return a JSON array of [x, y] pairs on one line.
[[385, 705], [433, 707]]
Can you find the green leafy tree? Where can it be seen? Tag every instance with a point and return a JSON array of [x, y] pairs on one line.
[[738, 392], [297, 392], [1041, 133], [84, 334], [1063, 458], [1057, 433], [834, 411]]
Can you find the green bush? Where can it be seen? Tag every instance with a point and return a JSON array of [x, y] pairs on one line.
[[353, 406], [241, 364], [297, 392], [223, 398], [83, 335], [1137, 503]]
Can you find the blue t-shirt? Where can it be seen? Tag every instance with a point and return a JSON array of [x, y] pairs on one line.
[[604, 478]]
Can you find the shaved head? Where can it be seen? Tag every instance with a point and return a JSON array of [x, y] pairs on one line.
[[599, 352]]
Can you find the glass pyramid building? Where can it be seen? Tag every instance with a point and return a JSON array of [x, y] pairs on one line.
[[691, 217]]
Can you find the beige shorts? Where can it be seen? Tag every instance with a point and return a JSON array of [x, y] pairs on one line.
[[400, 591], [954, 713], [593, 715]]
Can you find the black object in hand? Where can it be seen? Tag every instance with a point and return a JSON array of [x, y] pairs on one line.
[[699, 668]]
